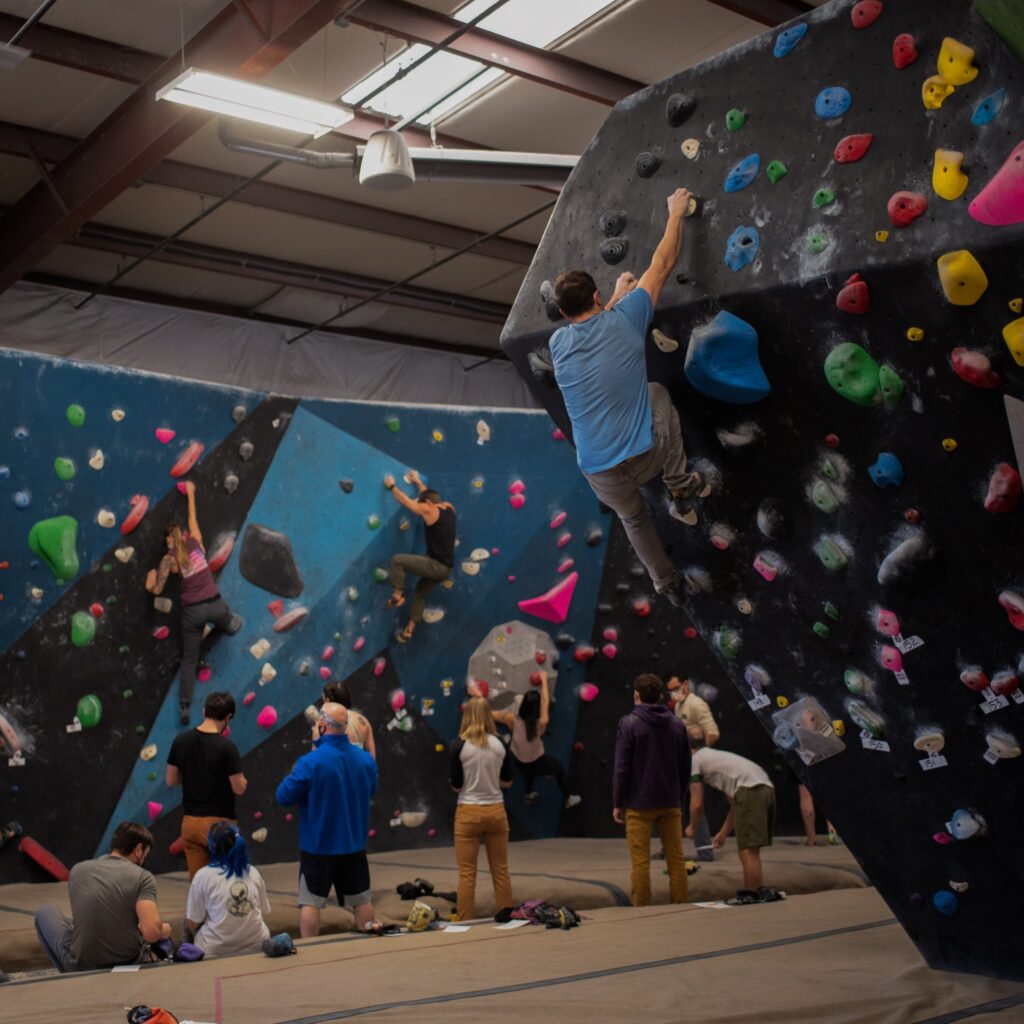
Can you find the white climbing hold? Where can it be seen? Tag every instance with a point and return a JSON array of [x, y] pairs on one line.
[[479, 555], [740, 436], [231, 483], [267, 674], [117, 415], [238, 413], [663, 341], [959, 886], [259, 835], [148, 752], [432, 616], [259, 649], [163, 604], [37, 593], [96, 459], [105, 518], [245, 450], [690, 148], [413, 819], [124, 555], [470, 568], [483, 432]]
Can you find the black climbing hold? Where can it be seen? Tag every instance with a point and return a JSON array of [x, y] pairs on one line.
[[612, 222], [647, 165], [613, 250], [678, 108], [346, 486], [621, 588], [541, 366], [267, 561], [594, 536], [637, 570], [773, 522], [564, 641], [552, 312], [604, 607], [604, 508]]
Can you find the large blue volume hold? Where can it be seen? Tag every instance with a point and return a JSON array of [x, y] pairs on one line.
[[722, 361], [743, 173], [832, 102]]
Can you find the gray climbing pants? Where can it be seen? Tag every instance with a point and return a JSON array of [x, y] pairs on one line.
[[619, 487], [430, 571]]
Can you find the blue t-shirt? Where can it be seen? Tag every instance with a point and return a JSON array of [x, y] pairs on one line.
[[333, 785], [601, 369]]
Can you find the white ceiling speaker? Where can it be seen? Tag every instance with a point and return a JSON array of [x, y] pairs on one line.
[[386, 164]]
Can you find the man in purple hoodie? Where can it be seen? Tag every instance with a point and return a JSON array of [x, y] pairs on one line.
[[652, 774]]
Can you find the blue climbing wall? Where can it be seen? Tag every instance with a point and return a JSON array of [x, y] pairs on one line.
[[858, 569], [68, 786]]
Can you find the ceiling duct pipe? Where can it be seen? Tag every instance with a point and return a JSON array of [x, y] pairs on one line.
[[386, 163]]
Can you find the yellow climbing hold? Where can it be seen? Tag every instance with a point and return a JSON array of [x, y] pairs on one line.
[[881, 236], [840, 726], [1013, 335], [935, 91], [437, 436], [949, 443], [955, 62], [783, 702], [915, 334], [1017, 305], [438, 748], [948, 180], [963, 280], [448, 584]]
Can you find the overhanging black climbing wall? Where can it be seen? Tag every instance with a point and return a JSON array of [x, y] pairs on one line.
[[858, 567]]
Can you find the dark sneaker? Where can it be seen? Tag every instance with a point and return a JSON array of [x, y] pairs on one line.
[[234, 625], [681, 506], [674, 595]]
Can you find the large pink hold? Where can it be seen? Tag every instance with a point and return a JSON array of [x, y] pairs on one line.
[[588, 692], [163, 435], [1004, 489], [221, 553], [267, 718], [140, 505], [558, 520], [516, 487], [155, 810], [1001, 201], [1013, 605], [554, 605], [187, 459], [398, 700], [378, 666], [974, 368], [359, 644], [517, 500], [563, 540]]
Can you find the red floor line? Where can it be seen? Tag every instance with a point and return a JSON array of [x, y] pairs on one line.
[[217, 1008]]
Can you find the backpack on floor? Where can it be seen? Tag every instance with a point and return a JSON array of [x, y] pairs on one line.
[[150, 1015]]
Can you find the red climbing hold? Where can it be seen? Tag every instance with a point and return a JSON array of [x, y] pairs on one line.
[[904, 50], [912, 515], [1013, 605], [578, 747], [690, 633], [611, 635], [97, 610], [557, 435], [359, 644], [588, 692], [642, 607], [540, 657], [905, 207], [42, 856], [584, 653], [378, 666], [565, 566], [325, 672], [610, 650], [204, 674], [974, 368], [866, 13], [1004, 683], [221, 553], [140, 505], [163, 435], [974, 679], [554, 605], [161, 633], [852, 148], [854, 297], [328, 653], [248, 698], [276, 608], [535, 679], [1004, 489], [187, 459], [832, 440]]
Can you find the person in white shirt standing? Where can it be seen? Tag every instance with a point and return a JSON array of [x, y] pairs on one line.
[[227, 901]]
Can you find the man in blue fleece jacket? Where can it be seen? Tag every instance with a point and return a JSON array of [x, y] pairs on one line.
[[652, 774], [332, 785]]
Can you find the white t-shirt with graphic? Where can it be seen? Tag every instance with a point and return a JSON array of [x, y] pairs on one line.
[[231, 911]]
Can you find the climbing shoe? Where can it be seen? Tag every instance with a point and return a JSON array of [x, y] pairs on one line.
[[234, 625]]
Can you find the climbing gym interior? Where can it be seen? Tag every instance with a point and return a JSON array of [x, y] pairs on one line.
[[281, 298]]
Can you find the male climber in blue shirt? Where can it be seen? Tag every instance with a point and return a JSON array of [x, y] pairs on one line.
[[626, 430]]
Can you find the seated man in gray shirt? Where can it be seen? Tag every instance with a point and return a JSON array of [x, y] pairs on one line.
[[114, 916]]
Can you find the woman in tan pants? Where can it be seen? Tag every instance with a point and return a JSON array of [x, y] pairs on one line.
[[480, 768]]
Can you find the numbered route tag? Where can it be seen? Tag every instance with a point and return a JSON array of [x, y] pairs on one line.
[[1018, 697], [17, 759], [932, 761], [991, 756], [872, 744], [906, 644], [75, 726], [762, 700], [992, 702]]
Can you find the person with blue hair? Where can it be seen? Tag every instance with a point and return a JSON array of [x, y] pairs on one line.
[[227, 901]]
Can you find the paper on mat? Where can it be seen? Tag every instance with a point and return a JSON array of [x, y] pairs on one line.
[[509, 925], [456, 929], [124, 968]]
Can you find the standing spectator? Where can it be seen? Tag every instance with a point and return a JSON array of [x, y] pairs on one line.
[[751, 810], [652, 770], [227, 900], [208, 767], [360, 732], [480, 768], [527, 726], [114, 915], [333, 785]]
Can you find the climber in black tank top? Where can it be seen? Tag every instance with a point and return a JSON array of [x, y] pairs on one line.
[[436, 565]]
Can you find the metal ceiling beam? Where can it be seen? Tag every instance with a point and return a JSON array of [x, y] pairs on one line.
[[418, 24], [51, 149], [142, 132], [245, 313], [766, 12]]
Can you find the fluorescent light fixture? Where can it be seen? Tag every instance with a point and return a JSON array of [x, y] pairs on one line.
[[251, 102]]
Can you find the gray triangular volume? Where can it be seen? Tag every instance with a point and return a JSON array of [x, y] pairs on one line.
[[1015, 419]]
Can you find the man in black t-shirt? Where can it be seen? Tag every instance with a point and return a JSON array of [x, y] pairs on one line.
[[208, 767], [436, 565]]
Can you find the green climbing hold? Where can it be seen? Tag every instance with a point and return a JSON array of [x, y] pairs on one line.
[[123, 649], [107, 567], [828, 468], [54, 540], [728, 642], [64, 468], [90, 711], [823, 197], [1004, 18], [140, 730], [380, 574], [822, 630], [831, 554], [83, 629], [393, 424], [373, 521], [76, 415], [776, 171], [735, 120], [151, 776], [831, 611], [853, 373], [127, 694], [337, 637], [817, 242], [856, 682], [824, 497], [891, 386], [112, 599]]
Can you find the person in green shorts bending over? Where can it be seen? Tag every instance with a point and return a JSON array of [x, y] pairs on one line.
[[436, 565]]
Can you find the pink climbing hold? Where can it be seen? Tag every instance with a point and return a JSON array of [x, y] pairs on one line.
[[942, 838], [852, 148], [557, 435], [866, 13], [853, 297], [720, 542], [904, 50], [398, 700], [248, 698], [325, 672], [584, 653], [974, 679], [765, 568], [155, 810], [610, 650], [912, 515], [359, 644], [328, 653], [478, 688], [563, 540], [510, 629], [1013, 605], [1004, 489], [1001, 201], [565, 566], [511, 579], [974, 368], [891, 659], [642, 607], [182, 489], [1004, 683], [289, 816], [372, 833], [535, 679], [905, 207], [587, 692], [161, 633], [140, 505], [558, 520], [379, 665], [258, 816], [164, 435], [221, 553], [204, 674], [495, 551], [267, 718], [187, 459], [516, 487], [431, 832], [554, 605], [611, 635], [517, 500], [887, 623], [276, 607], [289, 619]]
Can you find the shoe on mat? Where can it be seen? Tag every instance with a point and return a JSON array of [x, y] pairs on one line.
[[769, 894], [743, 898], [572, 801]]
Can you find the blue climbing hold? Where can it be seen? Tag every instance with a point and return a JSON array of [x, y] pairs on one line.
[[832, 102], [988, 109], [5, 472], [945, 902], [743, 173], [22, 499], [887, 470], [786, 40], [742, 248], [722, 363]]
